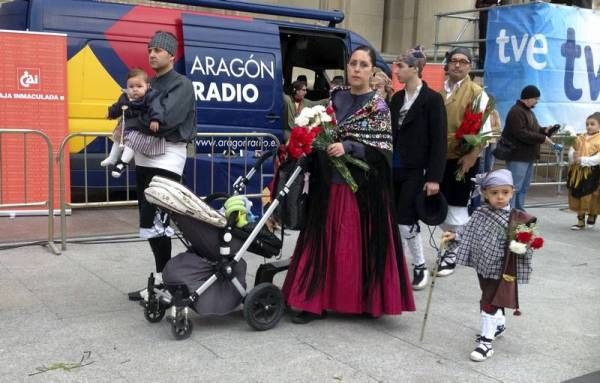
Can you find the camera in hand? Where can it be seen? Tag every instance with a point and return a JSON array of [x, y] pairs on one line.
[[553, 129]]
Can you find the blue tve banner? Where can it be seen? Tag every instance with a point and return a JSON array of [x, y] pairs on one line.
[[554, 47]]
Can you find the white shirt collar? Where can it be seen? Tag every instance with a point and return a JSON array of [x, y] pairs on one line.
[[450, 88]]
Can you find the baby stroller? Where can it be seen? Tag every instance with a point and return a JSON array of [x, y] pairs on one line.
[[210, 277]]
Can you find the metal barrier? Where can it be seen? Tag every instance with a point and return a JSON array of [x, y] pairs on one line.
[[50, 201], [470, 17], [234, 145], [229, 143], [555, 165]]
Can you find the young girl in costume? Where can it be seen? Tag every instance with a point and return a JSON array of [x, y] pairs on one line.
[[348, 257], [482, 245], [583, 179], [143, 116]]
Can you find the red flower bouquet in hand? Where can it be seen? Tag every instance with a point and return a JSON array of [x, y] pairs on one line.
[[315, 129], [524, 239], [301, 139], [468, 134]]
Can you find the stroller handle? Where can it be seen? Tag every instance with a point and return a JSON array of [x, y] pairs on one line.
[[265, 156], [242, 181], [215, 196]]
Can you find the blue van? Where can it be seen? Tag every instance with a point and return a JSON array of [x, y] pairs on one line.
[[239, 65]]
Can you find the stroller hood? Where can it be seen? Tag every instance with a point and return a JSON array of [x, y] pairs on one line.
[[173, 196]]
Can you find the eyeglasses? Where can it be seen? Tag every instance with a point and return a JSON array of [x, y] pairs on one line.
[[461, 62]]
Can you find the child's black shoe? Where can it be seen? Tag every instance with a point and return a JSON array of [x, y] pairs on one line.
[[118, 169]]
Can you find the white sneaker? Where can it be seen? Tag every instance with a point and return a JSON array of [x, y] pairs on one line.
[[446, 268], [483, 351], [420, 277]]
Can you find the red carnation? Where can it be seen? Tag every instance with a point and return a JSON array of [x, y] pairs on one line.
[[524, 236], [537, 243], [471, 124], [329, 110], [300, 142]]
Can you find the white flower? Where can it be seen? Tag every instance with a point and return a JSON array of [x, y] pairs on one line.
[[301, 120], [517, 247], [324, 117], [308, 112], [318, 109]]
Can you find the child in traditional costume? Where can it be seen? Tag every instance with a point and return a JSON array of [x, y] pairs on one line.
[[583, 179], [485, 243]]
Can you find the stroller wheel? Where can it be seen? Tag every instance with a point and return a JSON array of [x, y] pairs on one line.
[[263, 306], [182, 328], [154, 311]]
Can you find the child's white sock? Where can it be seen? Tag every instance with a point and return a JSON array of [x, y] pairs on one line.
[[113, 156], [127, 155]]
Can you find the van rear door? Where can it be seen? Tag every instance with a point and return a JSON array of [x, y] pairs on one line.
[[235, 66]]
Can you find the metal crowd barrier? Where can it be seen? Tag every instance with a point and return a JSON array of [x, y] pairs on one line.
[[231, 147], [552, 166], [50, 201]]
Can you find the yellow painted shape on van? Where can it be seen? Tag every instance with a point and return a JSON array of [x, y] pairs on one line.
[[91, 91]]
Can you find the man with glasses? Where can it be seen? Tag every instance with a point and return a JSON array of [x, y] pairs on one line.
[[458, 94]]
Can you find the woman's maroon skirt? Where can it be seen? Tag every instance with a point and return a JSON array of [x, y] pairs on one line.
[[342, 291]]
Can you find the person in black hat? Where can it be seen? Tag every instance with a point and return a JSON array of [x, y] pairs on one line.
[[459, 92], [179, 128], [419, 131], [525, 135]]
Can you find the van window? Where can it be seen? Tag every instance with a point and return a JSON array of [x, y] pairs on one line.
[[313, 55], [309, 74]]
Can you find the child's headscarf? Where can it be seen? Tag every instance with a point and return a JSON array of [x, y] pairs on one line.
[[498, 177]]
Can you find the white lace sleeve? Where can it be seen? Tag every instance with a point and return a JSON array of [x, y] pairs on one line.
[[591, 160], [571, 154]]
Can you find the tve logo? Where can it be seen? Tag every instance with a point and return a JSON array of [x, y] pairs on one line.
[[28, 78], [534, 45]]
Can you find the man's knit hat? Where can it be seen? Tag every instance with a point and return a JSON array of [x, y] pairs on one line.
[[164, 40], [460, 50], [530, 91], [413, 58]]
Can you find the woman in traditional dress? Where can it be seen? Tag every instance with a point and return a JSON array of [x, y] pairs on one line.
[[348, 258]]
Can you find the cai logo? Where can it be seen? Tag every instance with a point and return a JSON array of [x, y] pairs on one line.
[[28, 78]]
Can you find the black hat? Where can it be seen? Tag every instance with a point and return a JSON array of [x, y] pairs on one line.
[[530, 91], [164, 40], [431, 209], [460, 50]]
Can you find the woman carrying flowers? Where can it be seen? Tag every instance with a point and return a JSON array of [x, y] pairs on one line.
[[348, 257], [497, 242]]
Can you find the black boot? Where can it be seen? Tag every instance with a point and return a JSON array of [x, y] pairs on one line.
[[161, 248]]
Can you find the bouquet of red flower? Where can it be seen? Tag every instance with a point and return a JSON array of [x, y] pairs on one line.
[[468, 134], [525, 238], [300, 142], [315, 130]]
